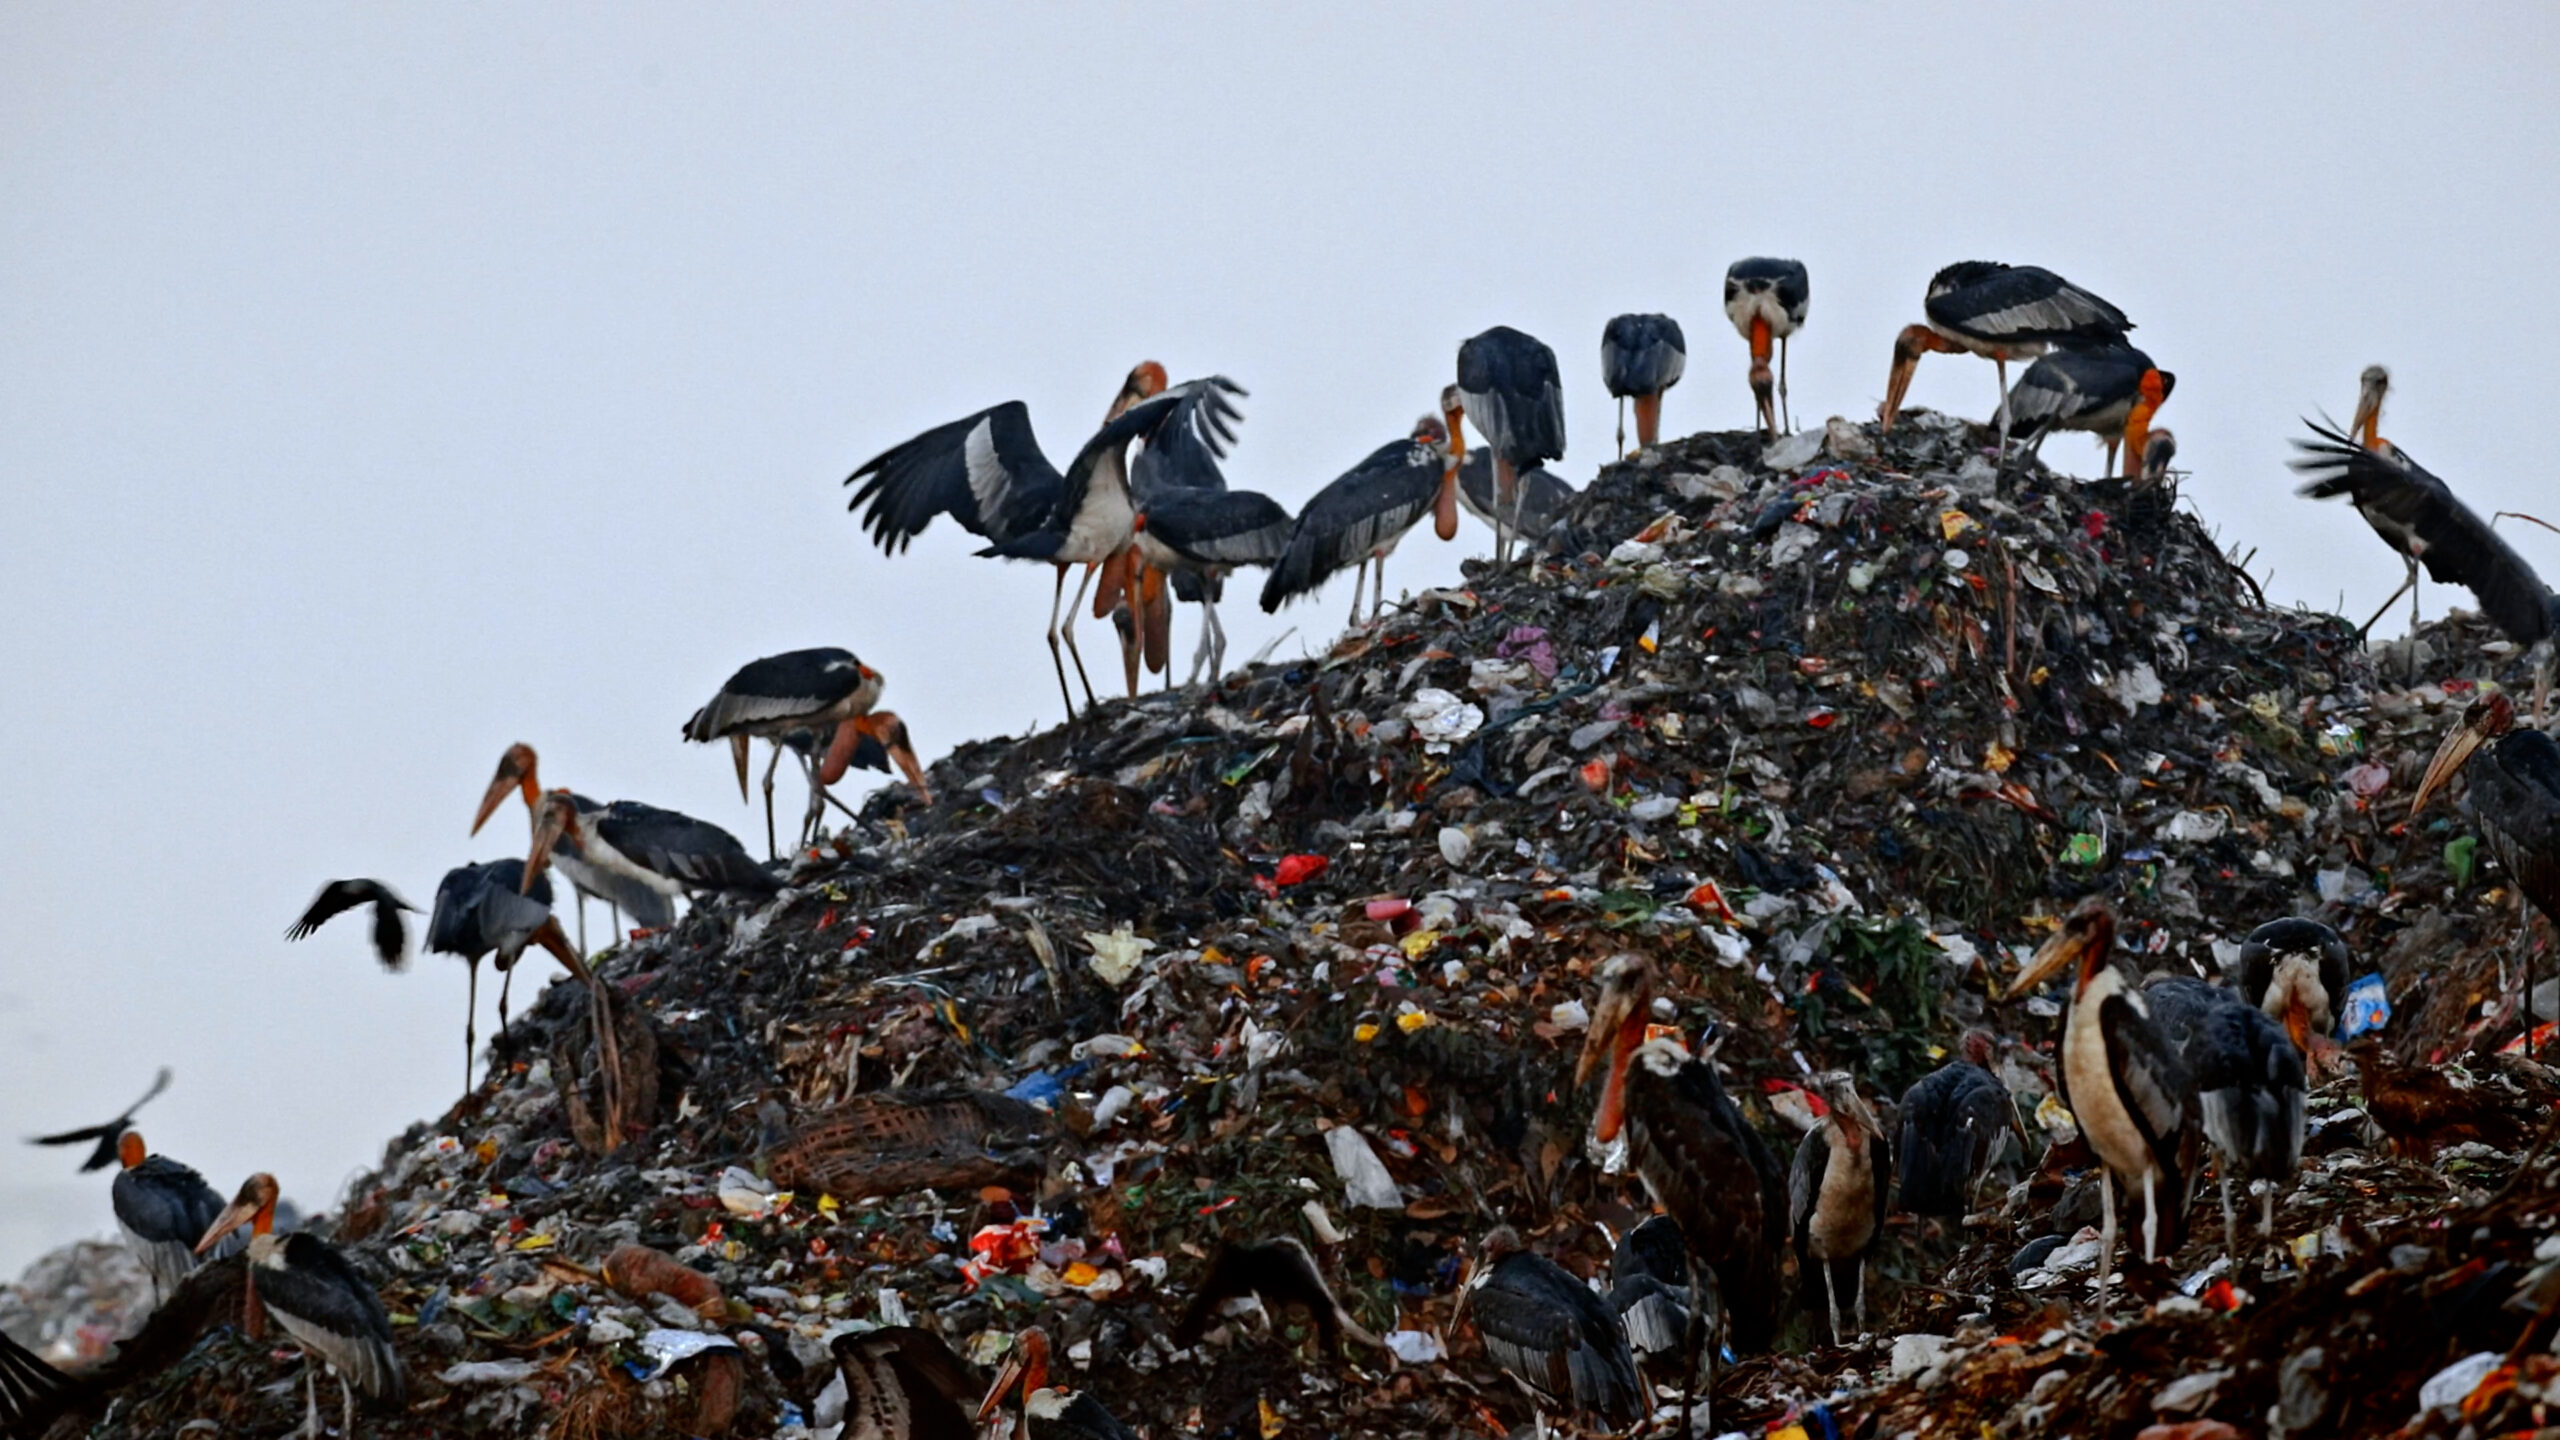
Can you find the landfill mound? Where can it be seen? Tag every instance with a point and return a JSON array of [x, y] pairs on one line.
[[1834, 728]]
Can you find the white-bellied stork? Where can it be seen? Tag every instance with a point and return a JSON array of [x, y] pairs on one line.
[[1047, 1413], [1544, 498], [2516, 799], [1640, 357], [498, 908], [1699, 1159], [2249, 1085], [2295, 969], [1361, 514], [1269, 1275], [390, 935], [105, 1142], [2005, 312], [2094, 391], [1204, 534], [1509, 386], [1552, 1335], [1836, 1193], [520, 773], [320, 1299], [1953, 1121], [1765, 298], [825, 689], [2127, 1087], [669, 852], [902, 1383], [163, 1208]]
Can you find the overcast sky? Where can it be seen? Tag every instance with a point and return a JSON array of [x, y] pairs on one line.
[[382, 384]]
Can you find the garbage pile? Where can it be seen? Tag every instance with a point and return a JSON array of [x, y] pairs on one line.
[[1835, 729]]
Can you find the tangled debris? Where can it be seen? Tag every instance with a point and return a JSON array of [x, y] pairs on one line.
[[1834, 729]]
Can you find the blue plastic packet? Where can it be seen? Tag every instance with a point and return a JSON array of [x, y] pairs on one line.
[[2367, 1007]]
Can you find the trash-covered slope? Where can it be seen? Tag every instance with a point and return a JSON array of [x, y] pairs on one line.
[[1834, 730]]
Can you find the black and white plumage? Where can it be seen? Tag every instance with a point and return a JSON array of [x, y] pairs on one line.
[[1272, 1274], [1548, 1331], [105, 1142], [1954, 1120], [1048, 1414], [1765, 298], [1836, 1192], [32, 1394], [2249, 1083], [2091, 390], [320, 1299], [163, 1208], [390, 935], [1658, 1295], [1361, 515], [1205, 534], [1640, 357], [2125, 1081], [1687, 1141], [826, 689], [35, 1397], [493, 908], [2515, 797], [1545, 497], [1510, 387], [2002, 312], [2295, 969], [902, 1383], [670, 852], [520, 773]]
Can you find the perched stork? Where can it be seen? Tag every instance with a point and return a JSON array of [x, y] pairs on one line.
[[1836, 1195], [163, 1208], [2095, 391], [498, 908], [106, 1141], [2124, 1081], [1269, 1275], [1205, 534], [1765, 299], [1359, 517], [1544, 498], [390, 936], [1047, 1414], [671, 853], [2005, 312], [1552, 1335], [1177, 458], [826, 690], [520, 773], [1509, 385], [1659, 1296], [2249, 1085], [2418, 515], [1953, 1121], [1640, 357], [2296, 970], [320, 1299], [902, 1383], [883, 742], [2516, 799], [1701, 1162]]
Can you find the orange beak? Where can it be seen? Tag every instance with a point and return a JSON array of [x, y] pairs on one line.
[[2450, 757], [555, 818], [2367, 427], [1908, 347], [2297, 1024], [738, 752], [516, 770], [1027, 1369]]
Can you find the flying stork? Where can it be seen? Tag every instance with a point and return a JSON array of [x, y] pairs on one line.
[[1640, 357], [2418, 515], [1836, 1194], [1765, 299], [2095, 391], [826, 690], [2516, 799], [520, 773], [2249, 1085], [2005, 312], [1047, 1414], [390, 935], [1953, 1119], [1359, 517], [1552, 1335], [2295, 969], [320, 1299], [1509, 386], [2124, 1081]]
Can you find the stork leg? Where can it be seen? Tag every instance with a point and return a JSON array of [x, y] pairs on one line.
[[2002, 363], [614, 908], [770, 852], [1055, 595], [1359, 578], [2230, 1245], [471, 1027], [582, 920], [2106, 1235], [1622, 427], [1067, 632], [2112, 442], [1786, 417], [1506, 505], [346, 1408], [2150, 1216], [2267, 1212], [1378, 592], [2385, 606], [1831, 1292], [1862, 1295], [310, 1396]]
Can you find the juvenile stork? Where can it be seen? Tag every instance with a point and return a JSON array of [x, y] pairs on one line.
[[320, 1299], [2249, 1086], [2123, 1080], [1640, 357], [2295, 969], [1836, 1195], [1545, 498], [2516, 799], [1359, 518], [1509, 385], [2419, 515], [902, 1383], [2094, 391], [1765, 299], [1047, 1414], [2004, 312], [163, 1208], [390, 934], [1953, 1122], [520, 773], [1699, 1159], [1554, 1337], [826, 690], [1203, 534]]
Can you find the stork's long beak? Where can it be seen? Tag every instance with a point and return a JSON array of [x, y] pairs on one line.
[[547, 829], [514, 773], [1006, 1379], [904, 756], [1615, 1009], [738, 752], [240, 1212], [2052, 958], [2368, 422], [1907, 349], [2450, 757]]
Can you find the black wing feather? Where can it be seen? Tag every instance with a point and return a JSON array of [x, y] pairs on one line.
[[986, 471], [696, 852], [1642, 354], [2023, 303], [1373, 503], [1514, 394]]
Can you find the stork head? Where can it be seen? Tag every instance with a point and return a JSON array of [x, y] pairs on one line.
[[1914, 342], [1616, 1033], [1978, 1046], [1849, 1109], [556, 816], [2489, 717], [254, 1206], [2154, 388], [516, 771], [130, 1151], [1146, 380], [1026, 1369], [2084, 941], [2370, 388]]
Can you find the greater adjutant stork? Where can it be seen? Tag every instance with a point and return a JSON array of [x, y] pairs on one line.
[[1509, 386], [520, 773], [2097, 391], [1551, 1334], [2516, 799], [2419, 515], [671, 853], [320, 1299], [2124, 1080], [2005, 312], [1953, 1121], [1765, 299], [390, 934], [2295, 969], [826, 690], [1659, 1295], [902, 1383], [2366, 430], [1640, 357], [1700, 1160], [1360, 516], [1204, 534], [1047, 1414], [1544, 497], [1836, 1195], [2249, 1085], [163, 1208], [498, 908]]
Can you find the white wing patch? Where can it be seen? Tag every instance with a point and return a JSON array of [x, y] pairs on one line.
[[988, 480]]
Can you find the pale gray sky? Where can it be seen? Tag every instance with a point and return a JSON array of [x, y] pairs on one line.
[[382, 384]]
